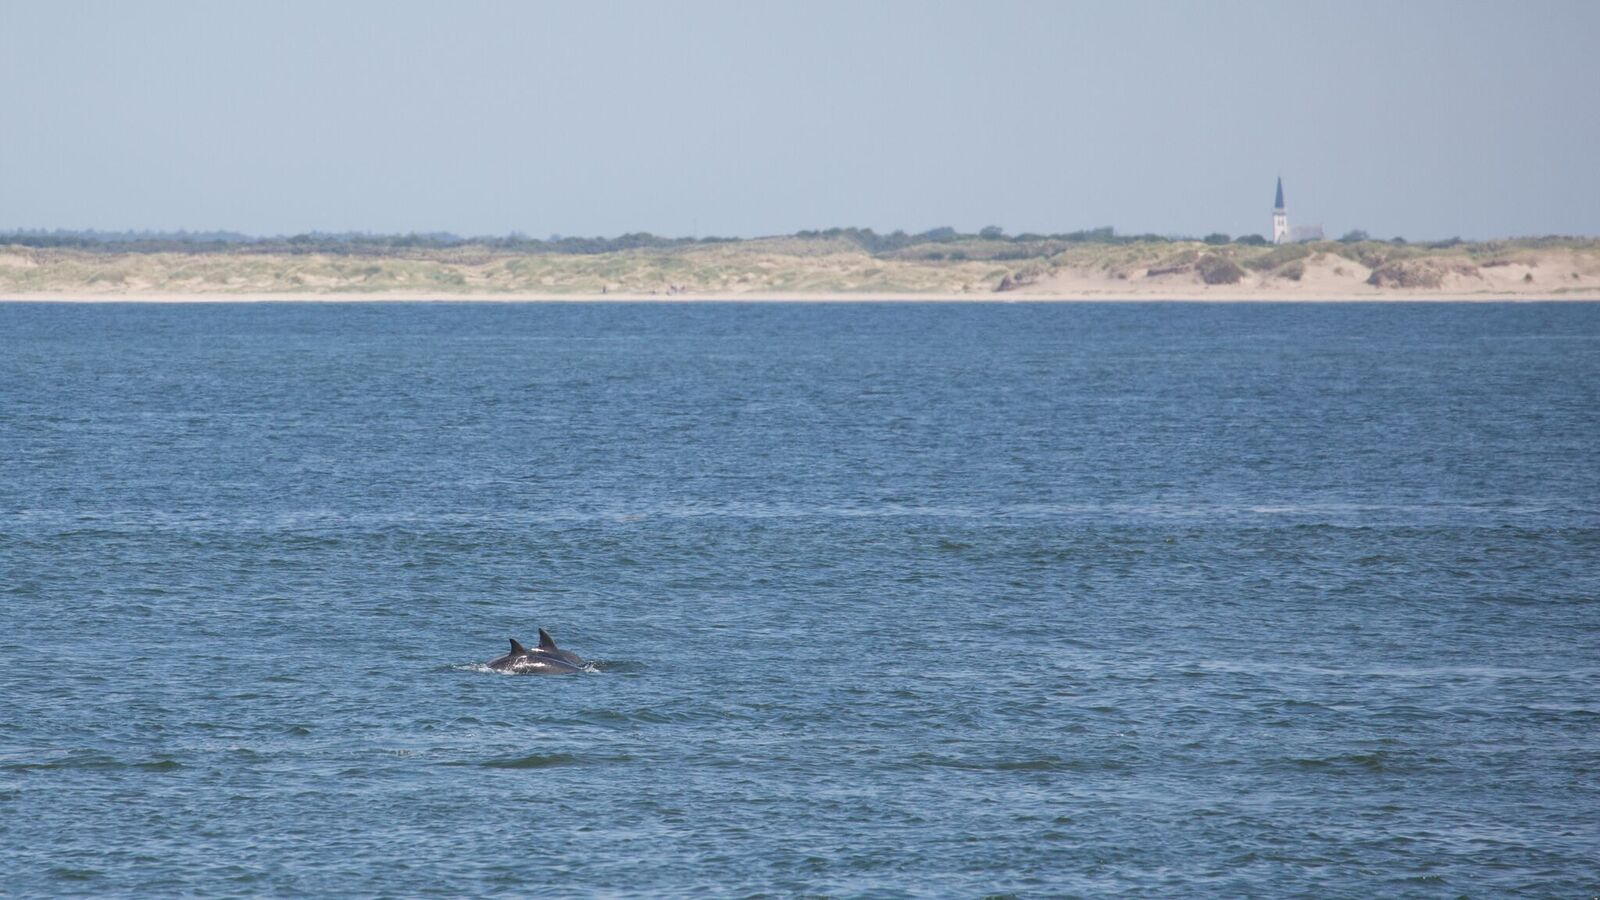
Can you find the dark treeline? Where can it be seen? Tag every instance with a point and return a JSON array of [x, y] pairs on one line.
[[993, 242], [90, 238], [360, 243], [875, 243], [351, 243]]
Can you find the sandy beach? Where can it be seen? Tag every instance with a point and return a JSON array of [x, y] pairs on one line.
[[1213, 297], [771, 270]]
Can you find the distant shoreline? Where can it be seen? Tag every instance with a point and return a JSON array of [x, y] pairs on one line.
[[822, 269], [760, 299]]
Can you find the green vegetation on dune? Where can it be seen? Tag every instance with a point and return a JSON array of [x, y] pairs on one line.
[[838, 261]]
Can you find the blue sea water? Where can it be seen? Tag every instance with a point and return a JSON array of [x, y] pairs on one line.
[[880, 600]]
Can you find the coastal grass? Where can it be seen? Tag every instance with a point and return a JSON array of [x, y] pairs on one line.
[[812, 266]]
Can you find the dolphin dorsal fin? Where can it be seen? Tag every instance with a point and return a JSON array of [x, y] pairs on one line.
[[546, 642], [517, 648]]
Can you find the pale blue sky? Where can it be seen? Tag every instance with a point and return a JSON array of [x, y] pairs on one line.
[[1426, 119]]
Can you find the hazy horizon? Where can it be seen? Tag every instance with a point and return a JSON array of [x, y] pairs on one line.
[[1427, 120]]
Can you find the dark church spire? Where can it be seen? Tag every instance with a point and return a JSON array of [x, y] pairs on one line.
[[1279, 204]]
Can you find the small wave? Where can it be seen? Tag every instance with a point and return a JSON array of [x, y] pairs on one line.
[[591, 667], [1422, 879], [541, 761], [1049, 763], [93, 760], [1344, 762], [161, 765], [483, 669], [532, 761]]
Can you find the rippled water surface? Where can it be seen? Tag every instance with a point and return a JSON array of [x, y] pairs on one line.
[[883, 600]]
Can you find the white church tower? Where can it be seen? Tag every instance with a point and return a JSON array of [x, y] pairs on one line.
[[1280, 219]]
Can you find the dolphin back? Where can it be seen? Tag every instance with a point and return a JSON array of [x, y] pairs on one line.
[[547, 644], [546, 659]]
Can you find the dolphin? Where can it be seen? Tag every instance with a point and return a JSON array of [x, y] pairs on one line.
[[546, 659]]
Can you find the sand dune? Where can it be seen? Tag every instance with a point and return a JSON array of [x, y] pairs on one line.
[[786, 268]]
